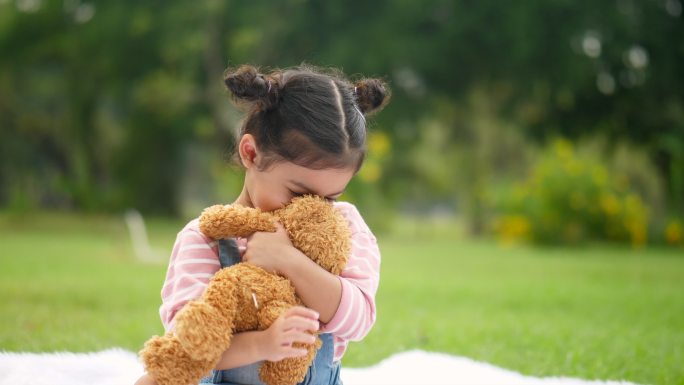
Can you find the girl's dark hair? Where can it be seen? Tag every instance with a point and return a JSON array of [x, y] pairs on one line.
[[310, 117]]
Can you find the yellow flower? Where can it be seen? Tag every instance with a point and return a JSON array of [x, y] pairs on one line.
[[513, 228], [674, 233], [378, 144], [637, 232], [370, 172]]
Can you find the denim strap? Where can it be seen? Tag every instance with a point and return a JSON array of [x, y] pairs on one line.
[[228, 252]]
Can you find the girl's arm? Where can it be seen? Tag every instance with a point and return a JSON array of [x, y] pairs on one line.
[[346, 303], [194, 260], [243, 351], [318, 288], [348, 299]]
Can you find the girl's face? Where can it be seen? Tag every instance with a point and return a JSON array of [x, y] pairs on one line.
[[274, 187]]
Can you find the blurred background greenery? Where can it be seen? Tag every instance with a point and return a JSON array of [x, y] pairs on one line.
[[552, 122]]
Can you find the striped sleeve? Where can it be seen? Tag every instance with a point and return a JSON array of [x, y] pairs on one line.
[[194, 260], [355, 315]]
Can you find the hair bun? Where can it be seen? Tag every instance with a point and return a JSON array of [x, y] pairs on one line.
[[371, 95], [248, 84]]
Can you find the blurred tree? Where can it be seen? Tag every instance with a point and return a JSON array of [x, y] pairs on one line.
[[556, 67], [99, 99]]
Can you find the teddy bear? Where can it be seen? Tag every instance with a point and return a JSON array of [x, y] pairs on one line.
[[246, 297]]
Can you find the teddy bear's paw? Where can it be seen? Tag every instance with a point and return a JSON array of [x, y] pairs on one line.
[[202, 331], [289, 371], [166, 361], [151, 351]]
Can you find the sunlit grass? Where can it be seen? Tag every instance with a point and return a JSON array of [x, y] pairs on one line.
[[598, 312], [72, 283]]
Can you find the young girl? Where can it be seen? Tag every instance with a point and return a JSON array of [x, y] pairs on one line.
[[304, 133]]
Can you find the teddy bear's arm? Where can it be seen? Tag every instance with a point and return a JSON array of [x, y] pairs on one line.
[[218, 221]]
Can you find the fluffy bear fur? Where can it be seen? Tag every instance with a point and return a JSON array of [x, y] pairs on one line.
[[204, 327]]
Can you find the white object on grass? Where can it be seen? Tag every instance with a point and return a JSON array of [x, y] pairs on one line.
[[108, 367], [141, 244], [420, 367], [121, 367]]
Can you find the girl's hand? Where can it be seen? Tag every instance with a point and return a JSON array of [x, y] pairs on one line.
[[270, 251], [292, 326]]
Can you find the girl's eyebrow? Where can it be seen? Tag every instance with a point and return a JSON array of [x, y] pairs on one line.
[[309, 190]]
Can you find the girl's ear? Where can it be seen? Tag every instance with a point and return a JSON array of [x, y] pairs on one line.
[[248, 151]]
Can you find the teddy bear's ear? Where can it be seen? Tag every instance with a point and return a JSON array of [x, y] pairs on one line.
[[218, 221]]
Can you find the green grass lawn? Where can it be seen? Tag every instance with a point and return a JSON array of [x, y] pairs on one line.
[[601, 312]]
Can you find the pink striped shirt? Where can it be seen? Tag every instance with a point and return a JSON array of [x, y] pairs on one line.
[[194, 260]]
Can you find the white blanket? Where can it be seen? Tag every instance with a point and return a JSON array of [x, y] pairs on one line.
[[121, 367]]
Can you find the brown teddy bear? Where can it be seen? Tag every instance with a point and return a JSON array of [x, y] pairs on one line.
[[245, 297]]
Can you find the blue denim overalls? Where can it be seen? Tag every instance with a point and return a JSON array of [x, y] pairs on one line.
[[323, 371]]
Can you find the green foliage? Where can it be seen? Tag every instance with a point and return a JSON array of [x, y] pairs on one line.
[[568, 198], [99, 101]]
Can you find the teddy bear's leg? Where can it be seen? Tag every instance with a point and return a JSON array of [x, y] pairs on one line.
[[204, 326], [168, 363], [289, 371], [220, 222]]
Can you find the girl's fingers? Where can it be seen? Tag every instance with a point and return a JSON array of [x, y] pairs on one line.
[[296, 336], [300, 323], [302, 312]]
